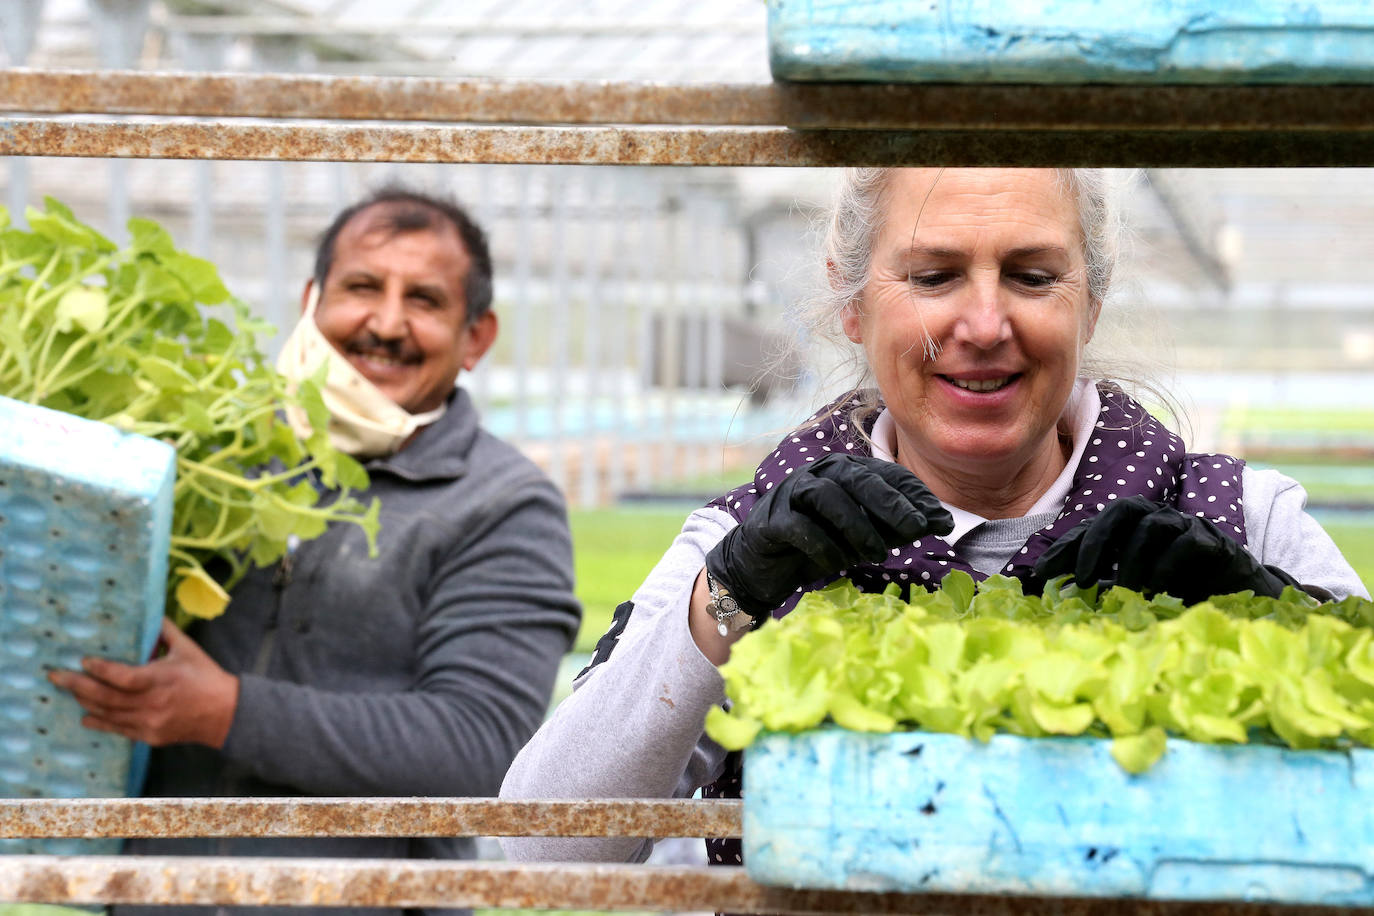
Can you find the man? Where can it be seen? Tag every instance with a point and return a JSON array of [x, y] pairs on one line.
[[419, 672]]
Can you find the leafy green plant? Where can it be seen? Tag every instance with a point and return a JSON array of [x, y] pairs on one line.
[[977, 660], [123, 335]]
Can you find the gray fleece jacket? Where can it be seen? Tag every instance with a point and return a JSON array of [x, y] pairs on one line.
[[419, 672]]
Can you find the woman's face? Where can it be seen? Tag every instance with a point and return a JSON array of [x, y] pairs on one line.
[[984, 268]]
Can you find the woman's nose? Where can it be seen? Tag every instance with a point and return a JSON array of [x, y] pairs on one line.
[[984, 320]]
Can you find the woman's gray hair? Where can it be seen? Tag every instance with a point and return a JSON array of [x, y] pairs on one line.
[[855, 219]]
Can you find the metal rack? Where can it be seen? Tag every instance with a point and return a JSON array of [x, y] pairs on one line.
[[128, 114], [405, 883]]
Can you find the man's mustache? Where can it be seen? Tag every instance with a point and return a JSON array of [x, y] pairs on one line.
[[368, 342]]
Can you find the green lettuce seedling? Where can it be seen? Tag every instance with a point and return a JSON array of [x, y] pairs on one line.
[[126, 336], [981, 659]]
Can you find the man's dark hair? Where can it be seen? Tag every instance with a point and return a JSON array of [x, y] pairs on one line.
[[411, 211]]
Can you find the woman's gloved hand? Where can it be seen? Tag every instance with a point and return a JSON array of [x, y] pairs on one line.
[[1148, 546], [831, 514]]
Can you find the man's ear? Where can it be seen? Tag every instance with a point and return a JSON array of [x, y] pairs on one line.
[[480, 334], [305, 294]]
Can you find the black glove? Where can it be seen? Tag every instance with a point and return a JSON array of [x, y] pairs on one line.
[[1157, 548], [828, 515]]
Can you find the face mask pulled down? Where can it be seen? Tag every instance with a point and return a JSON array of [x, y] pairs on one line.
[[363, 422]]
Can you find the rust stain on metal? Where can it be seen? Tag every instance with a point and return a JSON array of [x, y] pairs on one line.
[[287, 817], [802, 105], [408, 883]]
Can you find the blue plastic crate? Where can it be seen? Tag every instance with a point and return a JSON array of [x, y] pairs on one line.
[[85, 524], [1057, 817], [1072, 41]]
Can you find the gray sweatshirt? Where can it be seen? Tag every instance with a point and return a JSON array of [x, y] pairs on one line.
[[419, 672], [633, 725]]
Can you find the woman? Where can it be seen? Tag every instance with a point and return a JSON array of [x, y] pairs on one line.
[[972, 294]]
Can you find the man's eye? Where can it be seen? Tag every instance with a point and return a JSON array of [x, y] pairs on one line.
[[361, 287]]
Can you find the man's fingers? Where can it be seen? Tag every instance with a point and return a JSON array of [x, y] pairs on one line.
[[117, 674], [93, 694], [96, 723]]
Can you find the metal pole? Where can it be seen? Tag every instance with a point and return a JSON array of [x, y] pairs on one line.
[[594, 308], [120, 26], [202, 52], [646, 206], [559, 305], [520, 349], [620, 335], [19, 21]]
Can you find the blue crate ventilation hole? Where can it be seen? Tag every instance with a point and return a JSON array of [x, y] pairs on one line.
[[85, 525], [1073, 41], [1058, 817]]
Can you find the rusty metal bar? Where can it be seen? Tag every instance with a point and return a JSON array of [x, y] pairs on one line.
[[392, 817], [854, 106], [741, 146], [403, 883]]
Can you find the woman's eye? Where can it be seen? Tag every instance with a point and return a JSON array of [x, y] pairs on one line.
[[1035, 279], [930, 279]]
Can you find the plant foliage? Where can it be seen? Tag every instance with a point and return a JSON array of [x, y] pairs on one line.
[[977, 660], [124, 336]]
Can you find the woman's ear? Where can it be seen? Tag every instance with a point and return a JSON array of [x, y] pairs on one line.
[[852, 320], [851, 316], [1094, 310]]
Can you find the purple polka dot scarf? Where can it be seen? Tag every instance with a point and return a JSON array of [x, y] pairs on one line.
[[1129, 453]]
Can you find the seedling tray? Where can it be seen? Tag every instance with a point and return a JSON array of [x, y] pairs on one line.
[[1058, 817], [85, 523], [1073, 41]]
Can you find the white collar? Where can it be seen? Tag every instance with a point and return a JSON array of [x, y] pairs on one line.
[[1081, 413]]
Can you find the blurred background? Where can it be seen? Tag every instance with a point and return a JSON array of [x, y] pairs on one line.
[[648, 355]]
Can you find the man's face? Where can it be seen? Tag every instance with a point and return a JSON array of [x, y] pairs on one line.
[[394, 306]]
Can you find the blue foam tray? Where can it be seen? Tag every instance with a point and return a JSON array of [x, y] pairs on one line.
[[1058, 817], [85, 525], [1072, 41]]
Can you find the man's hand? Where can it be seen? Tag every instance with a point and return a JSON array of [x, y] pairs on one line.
[[836, 512], [181, 697]]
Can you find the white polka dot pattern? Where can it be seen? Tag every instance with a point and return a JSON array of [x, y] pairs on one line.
[[1134, 456]]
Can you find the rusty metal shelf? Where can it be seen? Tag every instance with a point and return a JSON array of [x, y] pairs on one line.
[[266, 116], [191, 880], [218, 881], [301, 817]]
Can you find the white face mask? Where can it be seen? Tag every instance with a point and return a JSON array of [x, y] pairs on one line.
[[363, 422]]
